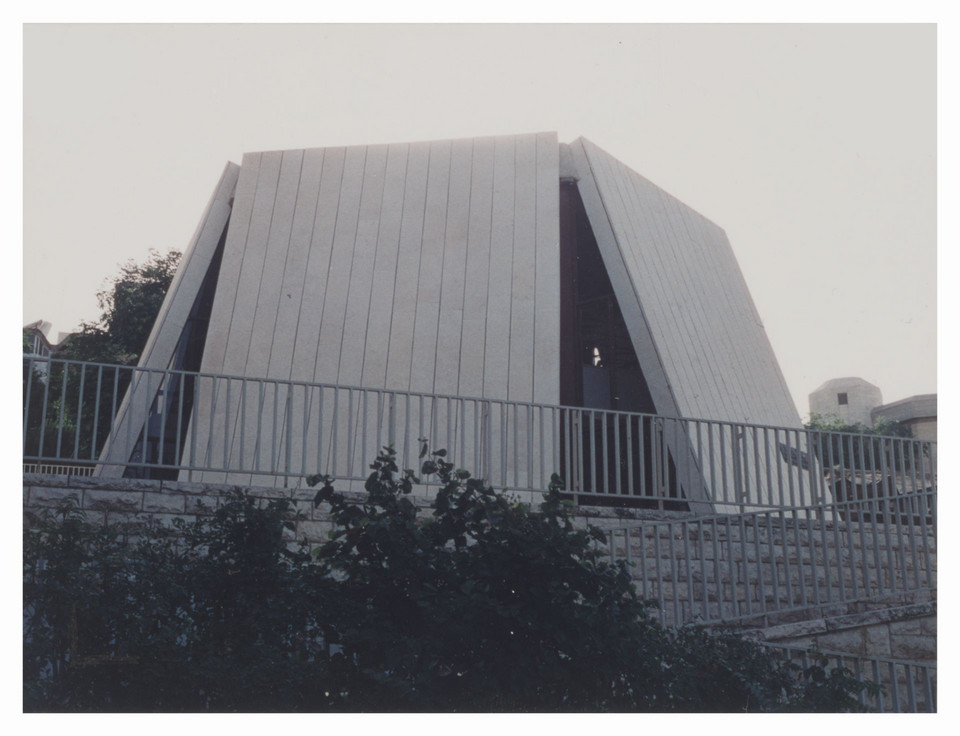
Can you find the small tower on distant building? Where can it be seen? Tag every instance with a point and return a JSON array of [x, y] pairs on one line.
[[851, 399]]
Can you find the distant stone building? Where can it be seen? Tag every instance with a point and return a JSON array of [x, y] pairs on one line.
[[851, 399], [919, 413]]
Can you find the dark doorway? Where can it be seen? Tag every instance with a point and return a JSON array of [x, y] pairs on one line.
[[619, 457]]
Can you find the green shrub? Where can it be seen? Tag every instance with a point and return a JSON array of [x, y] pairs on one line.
[[481, 605]]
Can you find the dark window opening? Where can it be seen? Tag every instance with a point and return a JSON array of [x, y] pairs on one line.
[[841, 399], [169, 416], [617, 455]]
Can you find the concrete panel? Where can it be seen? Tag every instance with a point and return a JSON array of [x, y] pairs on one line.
[[694, 327]]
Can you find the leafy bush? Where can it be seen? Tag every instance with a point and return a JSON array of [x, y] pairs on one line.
[[482, 605]]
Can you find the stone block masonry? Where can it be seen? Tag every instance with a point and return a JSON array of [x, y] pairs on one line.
[[690, 569]]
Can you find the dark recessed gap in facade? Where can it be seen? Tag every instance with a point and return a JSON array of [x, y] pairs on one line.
[[177, 392], [599, 369]]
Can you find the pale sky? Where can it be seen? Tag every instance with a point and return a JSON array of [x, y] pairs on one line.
[[813, 146]]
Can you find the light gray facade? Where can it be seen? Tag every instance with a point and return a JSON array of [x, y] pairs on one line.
[[435, 268]]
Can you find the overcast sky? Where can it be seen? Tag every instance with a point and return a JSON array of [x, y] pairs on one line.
[[814, 147]]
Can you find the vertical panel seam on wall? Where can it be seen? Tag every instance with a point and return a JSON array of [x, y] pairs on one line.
[[376, 252], [536, 235], [423, 226], [266, 246], [310, 250], [243, 256], [513, 255], [333, 242], [466, 255], [286, 257], [443, 257], [346, 301], [486, 285]]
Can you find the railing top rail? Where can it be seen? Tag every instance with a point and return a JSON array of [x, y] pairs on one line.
[[468, 398]]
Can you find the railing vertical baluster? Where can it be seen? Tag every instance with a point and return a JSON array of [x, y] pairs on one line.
[[908, 504], [723, 462], [275, 426], [96, 413], [876, 678], [306, 430], [688, 566], [761, 587], [746, 564], [604, 452], [419, 418], [800, 566], [406, 432], [448, 445], [732, 569], [528, 409], [642, 452], [503, 436], [26, 409], [894, 687], [887, 520], [848, 504], [717, 575], [335, 430], [350, 437], [541, 481], [462, 429], [181, 390], [243, 421], [593, 451], [858, 674], [148, 402], [660, 596], [76, 431], [63, 402], [321, 466], [766, 466], [214, 392], [928, 691], [288, 442], [911, 689], [516, 446], [823, 527], [363, 430], [616, 452], [226, 428], [811, 540], [774, 573]]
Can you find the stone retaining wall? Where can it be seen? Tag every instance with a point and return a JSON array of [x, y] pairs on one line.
[[901, 627]]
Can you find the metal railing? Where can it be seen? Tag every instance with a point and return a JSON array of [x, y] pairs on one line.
[[58, 469], [904, 686], [220, 428], [764, 565]]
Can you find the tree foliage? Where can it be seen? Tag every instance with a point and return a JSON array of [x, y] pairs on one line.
[[480, 605], [129, 304]]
